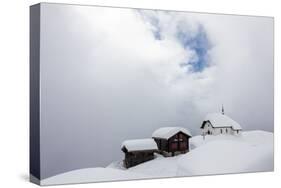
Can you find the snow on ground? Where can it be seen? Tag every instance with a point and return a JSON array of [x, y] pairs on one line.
[[250, 152], [199, 140], [252, 137], [88, 175], [229, 156], [159, 167]]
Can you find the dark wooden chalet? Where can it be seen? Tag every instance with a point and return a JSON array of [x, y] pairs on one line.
[[138, 151], [172, 140]]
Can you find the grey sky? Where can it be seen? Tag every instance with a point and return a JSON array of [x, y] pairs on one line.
[[110, 74]]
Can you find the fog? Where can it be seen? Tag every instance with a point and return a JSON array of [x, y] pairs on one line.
[[110, 74]]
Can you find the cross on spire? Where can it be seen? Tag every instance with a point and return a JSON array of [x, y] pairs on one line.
[[222, 110]]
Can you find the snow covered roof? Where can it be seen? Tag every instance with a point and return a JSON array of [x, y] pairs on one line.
[[139, 144], [167, 132], [220, 120]]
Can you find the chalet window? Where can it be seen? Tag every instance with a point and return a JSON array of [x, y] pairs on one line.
[[226, 130], [221, 131]]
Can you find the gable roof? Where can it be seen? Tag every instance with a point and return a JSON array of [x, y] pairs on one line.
[[139, 144], [220, 120], [167, 132]]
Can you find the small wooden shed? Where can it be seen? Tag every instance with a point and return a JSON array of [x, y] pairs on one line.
[[172, 140], [138, 151]]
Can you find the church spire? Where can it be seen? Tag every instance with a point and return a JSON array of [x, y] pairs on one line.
[[222, 110]]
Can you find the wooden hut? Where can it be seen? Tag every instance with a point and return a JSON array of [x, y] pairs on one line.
[[138, 151], [172, 140]]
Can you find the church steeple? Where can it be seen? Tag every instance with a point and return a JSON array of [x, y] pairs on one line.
[[222, 110]]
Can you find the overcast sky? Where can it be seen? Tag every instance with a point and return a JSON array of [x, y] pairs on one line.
[[110, 74]]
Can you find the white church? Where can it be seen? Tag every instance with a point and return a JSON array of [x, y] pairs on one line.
[[219, 123]]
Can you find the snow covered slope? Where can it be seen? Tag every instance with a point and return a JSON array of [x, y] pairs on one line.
[[250, 152], [87, 175]]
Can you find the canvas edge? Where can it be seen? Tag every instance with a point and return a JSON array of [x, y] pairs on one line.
[[34, 102]]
